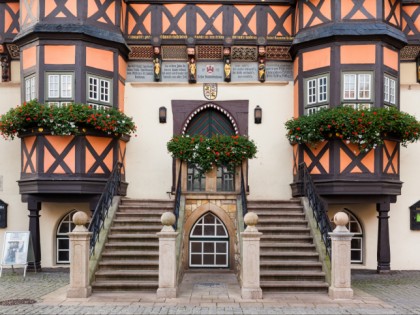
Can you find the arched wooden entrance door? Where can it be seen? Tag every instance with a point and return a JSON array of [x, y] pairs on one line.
[[210, 122]]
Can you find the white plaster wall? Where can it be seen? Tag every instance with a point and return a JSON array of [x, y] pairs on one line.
[[405, 242], [149, 165]]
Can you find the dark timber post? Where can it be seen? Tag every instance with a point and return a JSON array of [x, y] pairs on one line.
[[384, 253], [34, 206]]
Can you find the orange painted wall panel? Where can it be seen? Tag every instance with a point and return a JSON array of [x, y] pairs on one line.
[[29, 56], [308, 14], [409, 10], [316, 59], [71, 6], [60, 55], [217, 20], [122, 67], [358, 54], [396, 17], [29, 142], [245, 11], [147, 22], [100, 59], [391, 58], [296, 100], [271, 23], [368, 5], [121, 91], [8, 18]]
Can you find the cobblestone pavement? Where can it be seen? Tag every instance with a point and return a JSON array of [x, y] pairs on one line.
[[394, 293]]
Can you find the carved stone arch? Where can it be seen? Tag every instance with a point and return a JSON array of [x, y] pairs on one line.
[[210, 106], [226, 220]]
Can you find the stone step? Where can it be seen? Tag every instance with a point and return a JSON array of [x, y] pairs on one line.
[[287, 238], [145, 275], [115, 245], [284, 230], [294, 286], [130, 254], [278, 222], [122, 229], [282, 255], [292, 265], [283, 215], [143, 264], [133, 211], [287, 246], [133, 220], [288, 275], [132, 236], [125, 285]]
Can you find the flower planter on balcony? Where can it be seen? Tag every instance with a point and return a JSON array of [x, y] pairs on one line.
[[73, 164], [339, 168]]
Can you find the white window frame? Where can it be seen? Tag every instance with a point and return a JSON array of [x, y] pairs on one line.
[[30, 88], [357, 89], [390, 90], [99, 90], [59, 88], [316, 93]]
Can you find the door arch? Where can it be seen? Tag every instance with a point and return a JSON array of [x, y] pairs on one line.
[[209, 243], [209, 122]]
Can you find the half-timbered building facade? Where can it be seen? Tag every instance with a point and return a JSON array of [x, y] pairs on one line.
[[212, 67]]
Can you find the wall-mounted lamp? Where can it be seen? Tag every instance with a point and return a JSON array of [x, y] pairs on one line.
[[258, 114], [162, 114]]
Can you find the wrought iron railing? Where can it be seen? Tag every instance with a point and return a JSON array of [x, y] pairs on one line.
[[177, 197], [104, 203], [308, 189], [243, 195]]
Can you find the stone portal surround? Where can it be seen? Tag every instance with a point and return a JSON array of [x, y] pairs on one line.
[[224, 206]]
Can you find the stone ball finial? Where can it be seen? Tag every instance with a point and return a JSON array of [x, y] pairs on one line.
[[168, 219], [251, 219], [341, 219], [80, 218]]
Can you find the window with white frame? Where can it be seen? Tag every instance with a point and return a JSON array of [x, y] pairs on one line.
[[99, 91], [316, 96], [390, 91], [357, 90], [30, 92], [60, 88]]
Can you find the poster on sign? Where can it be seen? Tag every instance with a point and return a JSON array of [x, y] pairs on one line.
[[17, 250]]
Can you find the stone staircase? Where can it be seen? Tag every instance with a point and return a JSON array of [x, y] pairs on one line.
[[289, 260], [130, 259]]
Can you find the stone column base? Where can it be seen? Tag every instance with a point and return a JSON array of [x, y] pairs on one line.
[[251, 293], [340, 293], [79, 292], [167, 292]]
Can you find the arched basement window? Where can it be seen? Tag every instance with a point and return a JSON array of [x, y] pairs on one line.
[[209, 243], [62, 240], [355, 227]]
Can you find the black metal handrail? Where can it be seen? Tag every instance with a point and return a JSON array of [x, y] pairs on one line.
[[317, 205], [104, 203], [243, 195], [177, 197]]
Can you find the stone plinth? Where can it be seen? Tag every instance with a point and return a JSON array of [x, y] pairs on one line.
[[168, 285], [340, 261], [79, 258], [251, 259]]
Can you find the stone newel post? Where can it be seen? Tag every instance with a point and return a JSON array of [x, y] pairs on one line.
[[168, 285], [340, 259], [251, 258], [79, 258]]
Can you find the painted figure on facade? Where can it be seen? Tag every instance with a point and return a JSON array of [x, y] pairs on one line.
[[5, 69], [156, 69], [261, 70], [192, 69], [228, 68]]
